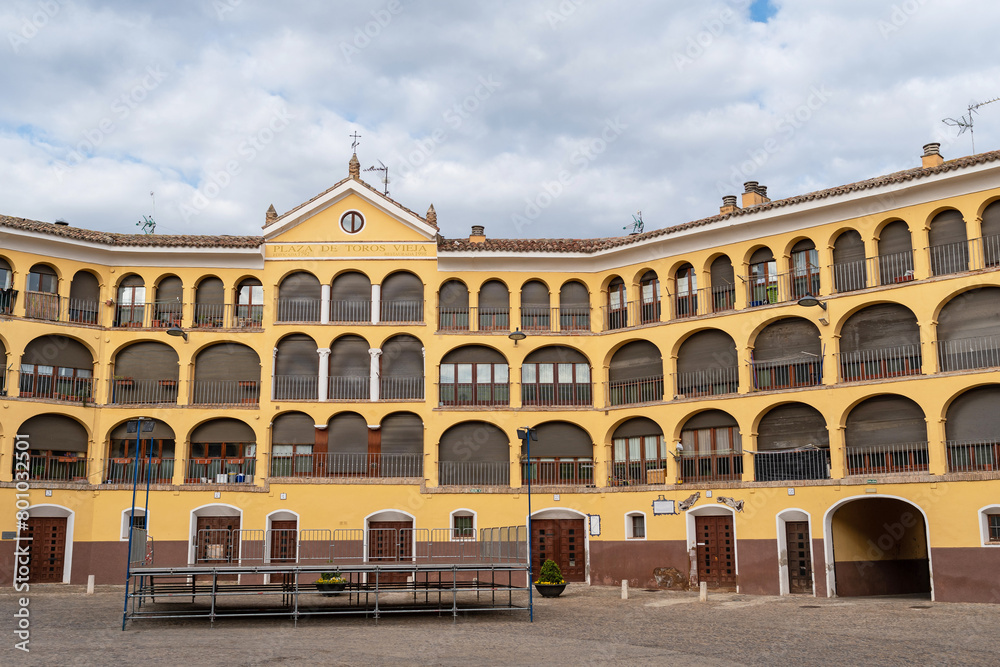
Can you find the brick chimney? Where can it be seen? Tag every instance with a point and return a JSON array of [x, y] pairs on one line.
[[478, 234], [432, 216], [754, 194], [354, 167], [932, 156], [728, 205], [271, 214]]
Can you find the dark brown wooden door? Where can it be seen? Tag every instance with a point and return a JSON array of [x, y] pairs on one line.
[[217, 543], [374, 451], [716, 550], [390, 541], [46, 549], [561, 540], [284, 538], [799, 557]]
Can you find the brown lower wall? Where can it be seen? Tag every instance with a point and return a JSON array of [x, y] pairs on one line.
[[966, 574], [819, 568], [758, 566], [882, 577], [611, 562], [106, 560], [7, 562]]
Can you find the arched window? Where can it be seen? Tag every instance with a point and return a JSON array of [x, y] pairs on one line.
[[145, 373], [707, 365], [292, 440], [474, 375], [948, 245], [351, 298], [299, 298], [249, 304], [972, 430], [453, 306], [155, 450], [635, 374], [763, 279], [474, 453], [990, 238], [617, 310], [57, 447], [41, 299], [969, 331], [555, 376], [723, 285], [805, 270], [850, 271], [895, 254], [787, 354], [712, 449], [57, 367], [574, 307], [563, 454], [402, 298], [169, 303], [685, 292], [224, 451], [792, 443], [494, 306], [84, 298], [885, 435], [535, 312], [637, 447], [130, 310], [209, 304], [649, 295], [7, 292], [879, 341]]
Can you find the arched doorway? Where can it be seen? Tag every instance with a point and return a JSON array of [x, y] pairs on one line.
[[878, 545], [559, 535]]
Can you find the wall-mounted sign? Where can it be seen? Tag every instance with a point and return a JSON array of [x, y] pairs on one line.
[[663, 506], [336, 250], [595, 524]]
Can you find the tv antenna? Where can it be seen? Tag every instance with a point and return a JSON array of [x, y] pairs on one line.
[[636, 224], [385, 176], [149, 224], [354, 144], [965, 122]]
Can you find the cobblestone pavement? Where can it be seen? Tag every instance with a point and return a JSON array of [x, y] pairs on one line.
[[586, 626]]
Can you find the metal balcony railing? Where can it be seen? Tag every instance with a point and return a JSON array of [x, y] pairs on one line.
[[349, 388], [8, 297], [474, 473], [567, 394], [887, 459], [123, 470], [232, 470], [969, 353], [631, 314], [850, 276], [401, 310], [296, 387], [704, 301], [709, 382], [225, 392], [719, 466], [774, 375], [558, 471], [156, 315], [55, 468], [55, 387], [628, 473], [686, 305], [298, 310], [973, 455], [635, 391], [879, 363], [951, 257], [791, 464], [401, 387], [347, 465], [44, 306], [350, 310], [480, 394], [129, 391], [892, 268], [41, 306]]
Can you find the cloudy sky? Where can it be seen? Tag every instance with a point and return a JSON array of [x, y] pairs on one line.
[[545, 118]]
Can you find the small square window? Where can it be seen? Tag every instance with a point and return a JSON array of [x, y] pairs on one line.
[[636, 526], [463, 529], [994, 527]]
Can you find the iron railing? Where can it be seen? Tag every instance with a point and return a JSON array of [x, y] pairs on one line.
[[296, 387], [401, 310], [52, 307], [122, 470], [887, 459], [719, 466], [350, 310], [332, 464], [225, 392], [969, 353], [129, 391], [889, 269], [474, 473], [401, 388], [635, 391], [950, 257], [55, 468], [557, 394], [791, 464], [850, 276], [709, 382], [973, 455], [454, 394], [55, 387], [349, 388], [558, 471], [298, 310], [631, 314], [627, 473], [879, 363], [773, 375], [220, 470]]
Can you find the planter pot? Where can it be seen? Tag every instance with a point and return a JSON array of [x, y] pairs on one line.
[[550, 590], [329, 590]]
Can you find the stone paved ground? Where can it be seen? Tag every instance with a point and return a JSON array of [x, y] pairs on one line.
[[587, 625]]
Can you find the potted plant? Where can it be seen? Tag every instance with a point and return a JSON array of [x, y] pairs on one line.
[[550, 582], [331, 583]]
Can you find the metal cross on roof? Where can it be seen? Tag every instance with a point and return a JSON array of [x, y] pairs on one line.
[[355, 136]]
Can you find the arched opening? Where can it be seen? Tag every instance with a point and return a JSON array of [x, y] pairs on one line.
[[474, 375], [347, 447], [350, 369], [555, 375], [84, 298], [390, 537], [574, 307], [57, 368], [299, 298], [399, 445], [209, 304], [155, 453], [560, 535], [878, 342], [249, 304], [895, 254], [712, 537], [562, 455], [792, 443], [711, 448], [494, 306], [685, 292], [48, 536], [223, 451], [850, 270], [949, 247], [169, 303], [401, 375], [535, 313], [57, 448], [723, 284], [8, 295], [968, 331], [990, 235], [805, 270], [226, 374], [145, 373], [635, 374], [762, 283], [877, 546], [351, 298], [617, 308], [41, 296], [130, 306], [787, 354], [638, 447], [216, 536], [453, 306], [972, 430], [649, 298], [886, 435], [293, 436], [296, 366], [402, 298], [795, 562], [474, 453], [707, 365]]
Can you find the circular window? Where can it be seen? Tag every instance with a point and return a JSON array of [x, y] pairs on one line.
[[352, 222]]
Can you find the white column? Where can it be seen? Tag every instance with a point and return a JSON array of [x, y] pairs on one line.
[[274, 367], [376, 304], [324, 372], [324, 304], [374, 373]]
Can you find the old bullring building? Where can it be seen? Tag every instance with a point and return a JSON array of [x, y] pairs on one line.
[[815, 382]]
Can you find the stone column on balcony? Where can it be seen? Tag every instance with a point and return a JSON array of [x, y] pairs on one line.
[[977, 249], [182, 455], [749, 469], [831, 345], [872, 277], [324, 373], [928, 347], [838, 452], [373, 374], [937, 449], [920, 240], [826, 283], [274, 365], [745, 372], [741, 298], [324, 304], [376, 304]]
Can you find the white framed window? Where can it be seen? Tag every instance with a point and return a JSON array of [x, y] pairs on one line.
[[989, 525], [139, 520], [352, 222], [635, 526], [463, 525]]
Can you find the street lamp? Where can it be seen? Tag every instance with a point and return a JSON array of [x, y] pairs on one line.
[[809, 301], [517, 335], [177, 331]]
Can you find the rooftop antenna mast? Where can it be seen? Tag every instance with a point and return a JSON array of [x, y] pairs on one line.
[[385, 176], [149, 224], [354, 144], [636, 224], [965, 122]]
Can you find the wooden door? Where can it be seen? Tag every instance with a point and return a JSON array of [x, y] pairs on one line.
[[284, 538], [46, 549], [799, 557], [217, 543], [374, 452], [716, 550], [563, 541], [390, 541]]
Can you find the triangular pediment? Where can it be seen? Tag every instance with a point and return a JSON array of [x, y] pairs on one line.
[[322, 219]]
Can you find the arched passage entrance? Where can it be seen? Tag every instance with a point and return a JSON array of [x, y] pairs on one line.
[[878, 546]]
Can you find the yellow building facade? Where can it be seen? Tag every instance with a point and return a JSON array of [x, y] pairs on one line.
[[792, 396]]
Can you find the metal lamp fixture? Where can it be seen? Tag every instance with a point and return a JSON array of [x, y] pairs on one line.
[[517, 335], [177, 331], [809, 301]]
